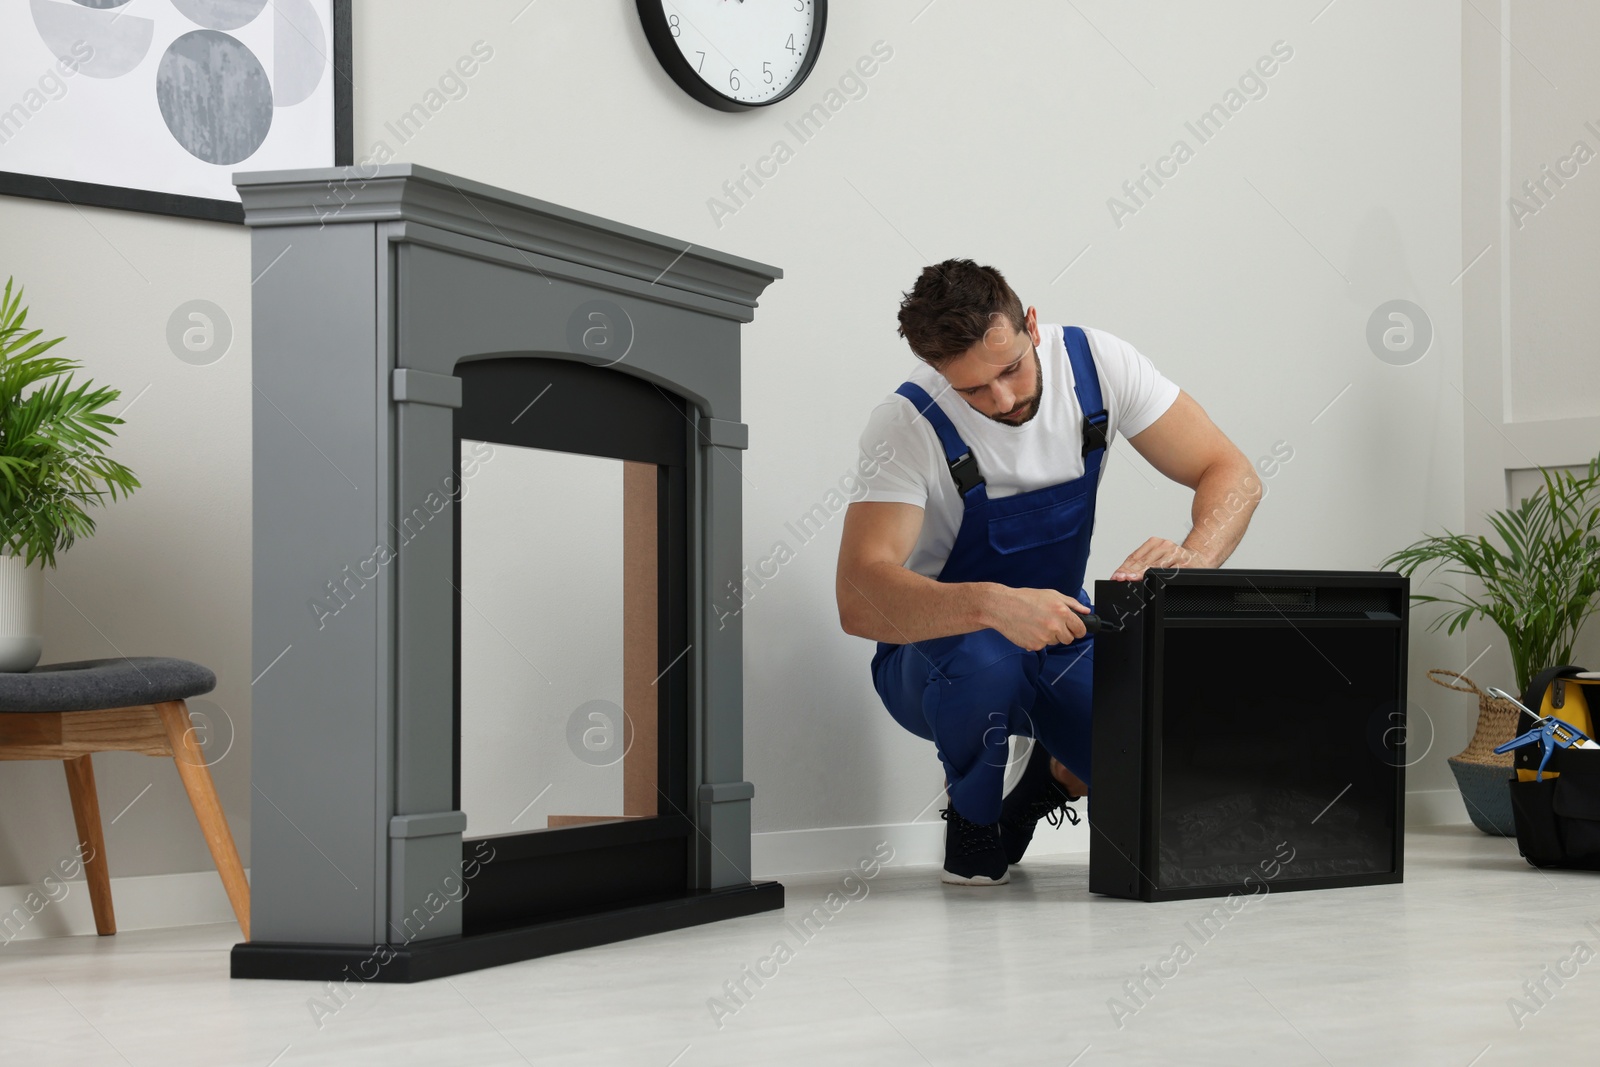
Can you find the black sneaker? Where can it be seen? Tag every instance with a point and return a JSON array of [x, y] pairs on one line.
[[1036, 796], [972, 852]]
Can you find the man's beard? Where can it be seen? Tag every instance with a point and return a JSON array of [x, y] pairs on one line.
[[1031, 406]]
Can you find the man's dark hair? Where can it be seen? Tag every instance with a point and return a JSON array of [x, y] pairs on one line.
[[950, 307]]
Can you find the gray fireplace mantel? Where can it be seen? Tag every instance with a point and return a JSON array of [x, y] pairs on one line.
[[370, 286]]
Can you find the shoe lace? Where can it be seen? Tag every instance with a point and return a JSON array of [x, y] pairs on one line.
[[1054, 810], [971, 837]]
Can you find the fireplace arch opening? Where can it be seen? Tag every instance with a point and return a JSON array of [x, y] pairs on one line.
[[571, 627]]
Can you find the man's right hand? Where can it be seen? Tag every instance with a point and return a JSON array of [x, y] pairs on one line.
[[1035, 618], [883, 600]]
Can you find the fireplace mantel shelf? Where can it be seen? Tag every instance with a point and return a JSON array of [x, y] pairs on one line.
[[409, 192]]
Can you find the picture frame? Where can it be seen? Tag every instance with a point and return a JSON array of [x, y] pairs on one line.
[[85, 129]]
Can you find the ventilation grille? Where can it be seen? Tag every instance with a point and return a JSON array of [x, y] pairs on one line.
[[1289, 600]]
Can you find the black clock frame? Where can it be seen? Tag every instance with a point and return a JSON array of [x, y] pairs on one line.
[[654, 18]]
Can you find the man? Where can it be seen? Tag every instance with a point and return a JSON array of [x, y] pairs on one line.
[[965, 560]]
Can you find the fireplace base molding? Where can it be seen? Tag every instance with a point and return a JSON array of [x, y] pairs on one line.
[[420, 961]]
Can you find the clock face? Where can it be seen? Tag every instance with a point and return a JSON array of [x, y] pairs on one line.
[[736, 54]]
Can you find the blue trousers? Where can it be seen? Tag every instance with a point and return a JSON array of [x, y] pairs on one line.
[[969, 693]]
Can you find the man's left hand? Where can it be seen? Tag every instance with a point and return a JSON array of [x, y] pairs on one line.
[[1158, 553]]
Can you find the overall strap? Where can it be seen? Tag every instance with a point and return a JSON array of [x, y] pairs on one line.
[[1086, 383], [963, 468]]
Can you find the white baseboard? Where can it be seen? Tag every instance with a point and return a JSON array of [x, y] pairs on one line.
[[60, 908], [150, 902], [1435, 807], [784, 853]]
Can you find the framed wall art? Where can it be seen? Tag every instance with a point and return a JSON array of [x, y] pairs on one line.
[[152, 105]]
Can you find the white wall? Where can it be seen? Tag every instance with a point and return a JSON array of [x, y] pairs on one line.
[[1530, 372], [1554, 372], [167, 572], [996, 131], [524, 673]]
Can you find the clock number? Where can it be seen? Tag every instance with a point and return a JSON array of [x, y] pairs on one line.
[[774, 50]]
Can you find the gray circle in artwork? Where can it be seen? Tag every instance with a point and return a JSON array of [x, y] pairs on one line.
[[601, 329], [215, 97], [299, 50], [199, 332], [598, 733], [220, 14], [1399, 333]]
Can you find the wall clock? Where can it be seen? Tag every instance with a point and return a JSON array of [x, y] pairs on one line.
[[736, 54]]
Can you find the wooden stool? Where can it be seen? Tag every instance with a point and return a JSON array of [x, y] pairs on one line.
[[67, 711]]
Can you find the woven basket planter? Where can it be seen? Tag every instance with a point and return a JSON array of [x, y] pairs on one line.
[[1481, 775]]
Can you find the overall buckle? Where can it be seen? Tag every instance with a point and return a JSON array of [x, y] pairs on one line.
[[966, 474], [1094, 431]]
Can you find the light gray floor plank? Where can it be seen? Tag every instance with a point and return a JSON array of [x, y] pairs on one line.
[[910, 972]]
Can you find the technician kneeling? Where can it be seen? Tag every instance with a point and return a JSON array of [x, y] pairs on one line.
[[965, 560]]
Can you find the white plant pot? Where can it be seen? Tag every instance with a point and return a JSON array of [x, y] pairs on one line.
[[21, 613]]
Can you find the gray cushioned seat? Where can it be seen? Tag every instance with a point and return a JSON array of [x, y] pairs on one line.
[[89, 684]]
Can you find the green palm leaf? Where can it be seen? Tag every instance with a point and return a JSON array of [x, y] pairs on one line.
[[1539, 588], [52, 443]]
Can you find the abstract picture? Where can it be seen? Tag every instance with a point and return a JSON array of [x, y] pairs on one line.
[[154, 104]]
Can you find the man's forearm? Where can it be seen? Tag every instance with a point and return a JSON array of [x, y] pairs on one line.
[[1224, 500], [887, 602]]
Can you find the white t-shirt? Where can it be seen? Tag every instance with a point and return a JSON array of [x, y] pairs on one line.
[[1045, 450]]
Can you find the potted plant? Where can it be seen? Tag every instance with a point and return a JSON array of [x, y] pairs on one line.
[[52, 464], [1539, 586]]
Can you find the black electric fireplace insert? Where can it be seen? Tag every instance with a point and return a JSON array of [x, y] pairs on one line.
[[1249, 732]]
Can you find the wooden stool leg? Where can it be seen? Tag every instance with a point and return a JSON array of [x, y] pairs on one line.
[[91, 841], [197, 783]]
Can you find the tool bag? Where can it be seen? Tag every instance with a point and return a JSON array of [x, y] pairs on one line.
[[1558, 812]]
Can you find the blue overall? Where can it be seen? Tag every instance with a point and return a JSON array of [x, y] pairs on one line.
[[968, 693]]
